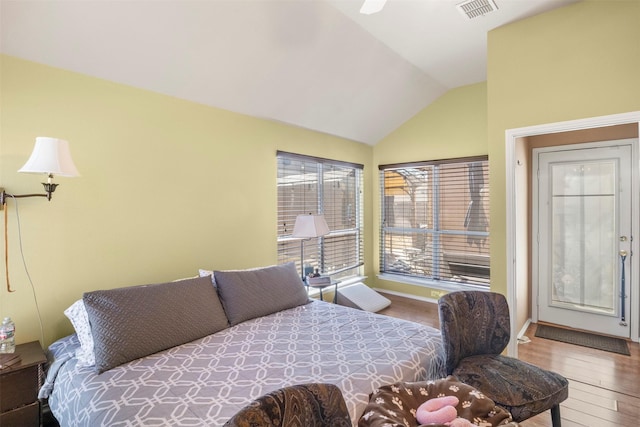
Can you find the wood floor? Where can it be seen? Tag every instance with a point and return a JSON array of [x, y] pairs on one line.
[[604, 388]]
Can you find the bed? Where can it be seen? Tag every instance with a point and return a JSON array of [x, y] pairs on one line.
[[205, 381]]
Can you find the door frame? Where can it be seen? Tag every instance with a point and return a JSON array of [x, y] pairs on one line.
[[515, 236]]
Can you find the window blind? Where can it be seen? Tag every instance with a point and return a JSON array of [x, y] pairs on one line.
[[311, 185], [435, 222]]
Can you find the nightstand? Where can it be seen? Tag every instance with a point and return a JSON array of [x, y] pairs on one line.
[[19, 384]]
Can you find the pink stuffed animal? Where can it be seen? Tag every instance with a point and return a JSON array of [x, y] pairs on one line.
[[441, 410]]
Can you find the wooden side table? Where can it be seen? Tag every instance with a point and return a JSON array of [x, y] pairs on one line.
[[19, 384]]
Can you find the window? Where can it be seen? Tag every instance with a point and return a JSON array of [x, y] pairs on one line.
[[320, 186], [435, 225]]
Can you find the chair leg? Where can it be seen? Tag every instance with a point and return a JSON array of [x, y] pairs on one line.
[[555, 416]]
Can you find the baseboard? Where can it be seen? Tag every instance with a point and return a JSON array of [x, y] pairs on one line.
[[524, 328]]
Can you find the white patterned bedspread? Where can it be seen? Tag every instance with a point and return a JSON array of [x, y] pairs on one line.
[[205, 382]]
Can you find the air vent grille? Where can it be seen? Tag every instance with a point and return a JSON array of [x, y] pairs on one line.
[[474, 8]]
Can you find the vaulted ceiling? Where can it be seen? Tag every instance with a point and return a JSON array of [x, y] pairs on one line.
[[316, 64]]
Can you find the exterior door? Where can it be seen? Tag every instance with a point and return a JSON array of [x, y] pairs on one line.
[[584, 236]]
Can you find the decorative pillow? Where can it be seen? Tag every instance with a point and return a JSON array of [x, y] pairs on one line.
[[247, 294], [77, 314], [395, 405], [129, 323]]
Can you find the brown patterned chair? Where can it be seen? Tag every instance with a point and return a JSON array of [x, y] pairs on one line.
[[303, 405], [395, 405], [476, 329]]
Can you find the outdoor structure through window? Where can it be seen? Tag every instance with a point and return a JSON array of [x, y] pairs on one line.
[[311, 185], [435, 223]]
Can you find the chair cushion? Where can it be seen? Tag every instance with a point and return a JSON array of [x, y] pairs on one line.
[[395, 405], [473, 322], [302, 405], [522, 388]]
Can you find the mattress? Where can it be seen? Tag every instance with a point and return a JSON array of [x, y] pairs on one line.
[[205, 382]]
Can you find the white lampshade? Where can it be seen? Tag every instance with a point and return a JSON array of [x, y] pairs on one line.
[[372, 6], [52, 157], [308, 226]]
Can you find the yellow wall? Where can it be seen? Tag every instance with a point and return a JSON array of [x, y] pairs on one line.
[[167, 187], [575, 62], [159, 175], [455, 125]]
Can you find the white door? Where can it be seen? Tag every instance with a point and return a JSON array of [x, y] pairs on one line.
[[584, 237]]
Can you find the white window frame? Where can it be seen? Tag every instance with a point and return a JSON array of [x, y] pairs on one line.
[[317, 174], [435, 253]]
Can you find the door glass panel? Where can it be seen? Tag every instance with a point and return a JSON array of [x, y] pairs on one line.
[[584, 255]]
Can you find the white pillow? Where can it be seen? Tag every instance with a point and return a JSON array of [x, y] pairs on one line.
[[204, 273], [79, 318]]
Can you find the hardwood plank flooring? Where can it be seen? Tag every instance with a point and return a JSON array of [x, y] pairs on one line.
[[604, 388]]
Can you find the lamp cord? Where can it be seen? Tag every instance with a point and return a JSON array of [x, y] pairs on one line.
[[24, 263], [6, 249]]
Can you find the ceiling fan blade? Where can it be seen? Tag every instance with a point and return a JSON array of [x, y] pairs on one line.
[[372, 6]]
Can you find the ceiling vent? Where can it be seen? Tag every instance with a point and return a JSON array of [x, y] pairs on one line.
[[474, 8]]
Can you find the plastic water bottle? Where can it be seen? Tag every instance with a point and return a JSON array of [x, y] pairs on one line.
[[7, 336]]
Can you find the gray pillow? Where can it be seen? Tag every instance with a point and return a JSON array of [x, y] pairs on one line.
[[247, 294], [129, 323]]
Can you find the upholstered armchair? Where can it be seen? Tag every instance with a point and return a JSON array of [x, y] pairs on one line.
[[475, 328], [304, 405]]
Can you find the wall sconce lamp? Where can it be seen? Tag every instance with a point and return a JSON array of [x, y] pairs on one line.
[[50, 156], [308, 227]]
